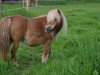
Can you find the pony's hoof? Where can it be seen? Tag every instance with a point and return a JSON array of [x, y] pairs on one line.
[[15, 63], [44, 62]]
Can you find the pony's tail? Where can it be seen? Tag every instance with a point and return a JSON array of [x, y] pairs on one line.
[[64, 23], [5, 34]]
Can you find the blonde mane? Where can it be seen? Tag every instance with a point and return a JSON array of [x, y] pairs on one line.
[[52, 15], [64, 23], [41, 16]]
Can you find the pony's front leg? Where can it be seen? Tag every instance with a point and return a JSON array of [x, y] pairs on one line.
[[46, 51]]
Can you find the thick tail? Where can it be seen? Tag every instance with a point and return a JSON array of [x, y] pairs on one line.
[[5, 34]]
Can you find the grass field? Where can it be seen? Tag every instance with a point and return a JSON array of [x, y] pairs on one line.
[[76, 54]]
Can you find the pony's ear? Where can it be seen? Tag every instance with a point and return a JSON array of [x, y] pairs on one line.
[[59, 11]]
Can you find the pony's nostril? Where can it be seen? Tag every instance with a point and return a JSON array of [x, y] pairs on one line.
[[48, 29]]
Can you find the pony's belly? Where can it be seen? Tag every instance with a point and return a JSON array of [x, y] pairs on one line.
[[33, 41]]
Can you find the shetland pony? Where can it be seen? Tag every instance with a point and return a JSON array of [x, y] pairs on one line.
[[32, 32]]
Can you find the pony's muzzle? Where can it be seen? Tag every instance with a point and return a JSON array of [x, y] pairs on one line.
[[49, 28]]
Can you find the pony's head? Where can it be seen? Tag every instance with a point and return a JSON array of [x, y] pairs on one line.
[[55, 21]]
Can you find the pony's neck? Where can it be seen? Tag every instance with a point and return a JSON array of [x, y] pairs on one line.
[[43, 20]]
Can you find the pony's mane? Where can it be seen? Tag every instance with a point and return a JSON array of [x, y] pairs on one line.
[[52, 15], [41, 16], [64, 23]]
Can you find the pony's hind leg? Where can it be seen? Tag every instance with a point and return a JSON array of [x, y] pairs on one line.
[[4, 55], [47, 51], [13, 52]]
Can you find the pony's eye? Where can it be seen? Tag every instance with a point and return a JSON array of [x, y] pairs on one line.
[[55, 19]]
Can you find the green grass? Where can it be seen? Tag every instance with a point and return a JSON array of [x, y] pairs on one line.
[[76, 54]]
